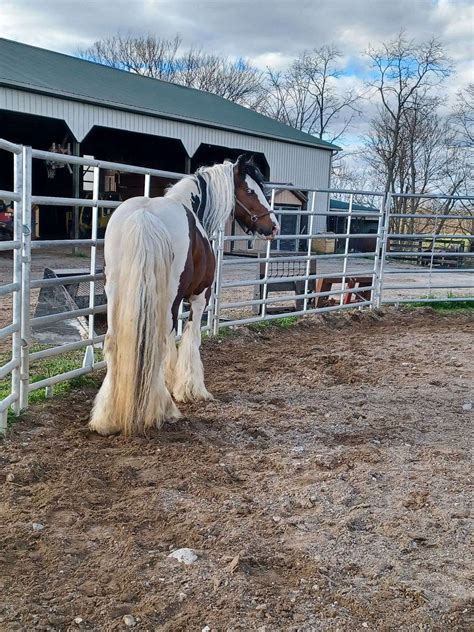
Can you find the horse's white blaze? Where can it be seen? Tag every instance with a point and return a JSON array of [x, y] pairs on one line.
[[189, 372], [253, 186]]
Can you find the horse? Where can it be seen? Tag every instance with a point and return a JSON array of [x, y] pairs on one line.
[[158, 252]]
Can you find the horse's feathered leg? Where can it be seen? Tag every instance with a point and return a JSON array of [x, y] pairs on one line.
[[189, 372], [101, 420], [171, 359]]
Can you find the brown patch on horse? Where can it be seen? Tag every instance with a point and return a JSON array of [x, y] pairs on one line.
[[199, 269]]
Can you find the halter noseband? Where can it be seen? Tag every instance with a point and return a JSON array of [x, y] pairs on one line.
[[253, 217]]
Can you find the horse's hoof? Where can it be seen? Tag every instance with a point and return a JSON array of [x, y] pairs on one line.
[[204, 396], [173, 413], [102, 429], [192, 395]]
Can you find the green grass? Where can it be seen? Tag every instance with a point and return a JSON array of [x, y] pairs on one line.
[[42, 369], [452, 306], [285, 322], [445, 304]]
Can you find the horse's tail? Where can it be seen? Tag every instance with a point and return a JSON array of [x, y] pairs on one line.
[[138, 395]]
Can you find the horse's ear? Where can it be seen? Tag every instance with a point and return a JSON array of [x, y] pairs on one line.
[[241, 165]]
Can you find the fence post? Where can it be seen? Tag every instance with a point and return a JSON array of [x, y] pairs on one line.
[[310, 242], [89, 355], [17, 230], [346, 250], [382, 249], [147, 184], [25, 327], [216, 308], [212, 298], [267, 264]]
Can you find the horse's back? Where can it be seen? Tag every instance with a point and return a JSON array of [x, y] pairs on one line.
[[173, 218], [163, 207]]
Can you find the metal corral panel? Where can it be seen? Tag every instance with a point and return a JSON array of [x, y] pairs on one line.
[[304, 166]]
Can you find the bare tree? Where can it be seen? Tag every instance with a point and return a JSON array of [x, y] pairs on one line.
[[164, 59], [428, 160], [306, 96], [463, 115], [237, 81], [405, 73], [148, 56], [346, 175]]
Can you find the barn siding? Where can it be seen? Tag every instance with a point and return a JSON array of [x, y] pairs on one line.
[[304, 166]]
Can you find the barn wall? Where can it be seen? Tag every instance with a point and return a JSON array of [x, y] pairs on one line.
[[303, 166]]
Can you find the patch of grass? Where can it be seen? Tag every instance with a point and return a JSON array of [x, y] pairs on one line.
[[48, 367], [445, 304], [224, 332], [285, 322], [452, 306]]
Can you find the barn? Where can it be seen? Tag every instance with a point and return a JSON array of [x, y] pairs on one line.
[[54, 101]]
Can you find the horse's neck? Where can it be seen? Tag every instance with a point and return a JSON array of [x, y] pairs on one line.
[[188, 193], [184, 191], [209, 196]]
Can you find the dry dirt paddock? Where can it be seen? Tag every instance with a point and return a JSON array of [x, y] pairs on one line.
[[326, 488]]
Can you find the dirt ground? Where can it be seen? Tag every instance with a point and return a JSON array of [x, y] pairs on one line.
[[326, 488]]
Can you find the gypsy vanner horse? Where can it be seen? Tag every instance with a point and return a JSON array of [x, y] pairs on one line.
[[157, 253]]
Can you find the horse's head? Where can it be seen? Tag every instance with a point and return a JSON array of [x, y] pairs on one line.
[[252, 210]]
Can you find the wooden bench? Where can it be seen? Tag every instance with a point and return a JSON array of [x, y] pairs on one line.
[[442, 247], [351, 282]]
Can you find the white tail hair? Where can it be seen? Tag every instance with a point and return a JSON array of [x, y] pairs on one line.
[[137, 398]]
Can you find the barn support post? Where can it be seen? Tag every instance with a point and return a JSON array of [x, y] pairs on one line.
[[25, 326], [382, 251], [76, 192]]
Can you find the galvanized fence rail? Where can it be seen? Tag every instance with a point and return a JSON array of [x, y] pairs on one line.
[[434, 278], [233, 305], [323, 274]]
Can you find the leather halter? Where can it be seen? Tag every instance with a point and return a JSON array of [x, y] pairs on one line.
[[253, 217]]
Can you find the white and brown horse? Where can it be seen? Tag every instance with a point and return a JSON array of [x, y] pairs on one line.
[[157, 253]]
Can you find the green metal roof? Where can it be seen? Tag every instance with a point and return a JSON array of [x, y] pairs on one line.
[[339, 205], [38, 70]]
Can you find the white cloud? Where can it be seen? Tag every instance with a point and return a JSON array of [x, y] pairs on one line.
[[275, 60], [269, 32]]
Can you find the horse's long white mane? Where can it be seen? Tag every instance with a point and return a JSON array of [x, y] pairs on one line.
[[220, 194]]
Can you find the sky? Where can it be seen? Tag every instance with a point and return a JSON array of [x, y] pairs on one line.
[[269, 32]]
